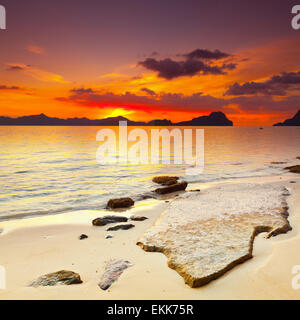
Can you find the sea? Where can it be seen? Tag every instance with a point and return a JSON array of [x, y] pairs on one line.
[[54, 169]]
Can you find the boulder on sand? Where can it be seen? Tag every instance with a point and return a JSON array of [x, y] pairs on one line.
[[108, 219], [83, 236], [181, 186], [113, 270], [165, 180], [57, 278], [293, 169], [121, 227], [120, 203]]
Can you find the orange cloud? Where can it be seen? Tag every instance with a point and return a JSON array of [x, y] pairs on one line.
[[37, 73], [35, 49]]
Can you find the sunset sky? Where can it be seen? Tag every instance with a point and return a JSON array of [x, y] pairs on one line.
[[149, 60]]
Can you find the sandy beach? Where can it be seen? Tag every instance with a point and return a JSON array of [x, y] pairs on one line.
[[39, 245]]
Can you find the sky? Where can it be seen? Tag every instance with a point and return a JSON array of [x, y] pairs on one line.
[[142, 59]]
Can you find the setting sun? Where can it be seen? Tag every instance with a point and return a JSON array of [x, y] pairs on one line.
[[119, 112]]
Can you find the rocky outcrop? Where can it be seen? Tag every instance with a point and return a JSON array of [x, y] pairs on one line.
[[204, 238], [180, 186], [293, 169], [121, 227], [120, 203], [214, 119], [295, 121], [107, 220], [165, 180], [113, 270], [57, 278]]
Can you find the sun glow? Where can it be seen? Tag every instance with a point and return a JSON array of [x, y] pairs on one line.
[[119, 112]]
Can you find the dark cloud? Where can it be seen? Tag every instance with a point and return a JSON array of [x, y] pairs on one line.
[[199, 61], [148, 91], [15, 68], [276, 85], [154, 54], [170, 69], [206, 54], [82, 91], [4, 87]]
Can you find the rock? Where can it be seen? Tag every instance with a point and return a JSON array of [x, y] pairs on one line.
[[108, 219], [121, 227], [292, 181], [83, 236], [295, 121], [172, 188], [120, 203], [278, 162], [165, 180], [298, 158], [138, 218], [113, 270], [293, 169], [57, 278], [195, 190], [205, 236], [108, 236]]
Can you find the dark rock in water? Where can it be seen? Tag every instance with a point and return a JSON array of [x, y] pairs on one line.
[[57, 278], [138, 218], [112, 272], [83, 236], [121, 227], [293, 169], [165, 180], [172, 188], [295, 121], [120, 203], [108, 236], [278, 162], [108, 219], [292, 181]]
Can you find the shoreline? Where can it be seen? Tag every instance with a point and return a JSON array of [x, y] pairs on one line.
[[38, 245]]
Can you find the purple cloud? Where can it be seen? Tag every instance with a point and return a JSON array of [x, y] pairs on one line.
[[276, 85]]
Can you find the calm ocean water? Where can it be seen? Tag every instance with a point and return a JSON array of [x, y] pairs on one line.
[[46, 170]]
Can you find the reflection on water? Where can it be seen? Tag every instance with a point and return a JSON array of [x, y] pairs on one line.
[[54, 169]]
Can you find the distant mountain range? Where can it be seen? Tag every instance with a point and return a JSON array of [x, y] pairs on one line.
[[214, 119], [295, 121]]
